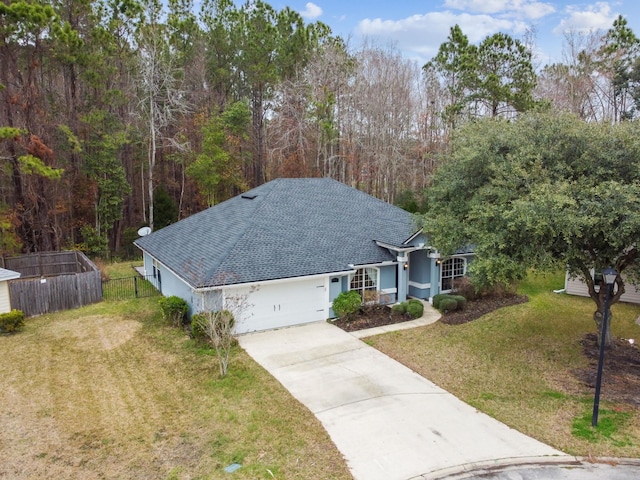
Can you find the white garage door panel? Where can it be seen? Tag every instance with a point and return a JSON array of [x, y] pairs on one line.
[[282, 304]]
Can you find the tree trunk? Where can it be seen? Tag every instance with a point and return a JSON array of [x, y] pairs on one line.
[[598, 318]]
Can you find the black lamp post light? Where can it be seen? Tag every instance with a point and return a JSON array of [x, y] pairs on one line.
[[609, 275]]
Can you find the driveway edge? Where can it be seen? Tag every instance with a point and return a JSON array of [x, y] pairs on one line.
[[475, 469]]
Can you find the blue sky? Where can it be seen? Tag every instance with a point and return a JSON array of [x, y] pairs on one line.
[[418, 27]]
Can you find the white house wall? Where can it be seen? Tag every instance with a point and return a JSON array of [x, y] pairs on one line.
[[5, 303], [169, 284], [577, 286], [278, 304]]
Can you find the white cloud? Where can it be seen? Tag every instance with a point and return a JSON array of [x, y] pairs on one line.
[[423, 34], [311, 11], [532, 10], [537, 10], [594, 17]]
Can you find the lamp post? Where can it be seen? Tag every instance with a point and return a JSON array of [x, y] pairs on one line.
[[609, 275]]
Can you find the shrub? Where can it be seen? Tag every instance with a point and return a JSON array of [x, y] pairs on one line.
[[438, 298], [448, 304], [174, 309], [415, 308], [462, 302], [12, 321], [347, 303], [463, 286], [399, 308], [370, 297], [198, 321]]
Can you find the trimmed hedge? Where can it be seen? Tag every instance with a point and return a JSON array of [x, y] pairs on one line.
[[174, 309], [448, 304], [415, 308], [438, 298], [462, 302], [400, 308], [12, 321], [347, 303]]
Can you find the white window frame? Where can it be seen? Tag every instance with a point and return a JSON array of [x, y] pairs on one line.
[[458, 269], [362, 284]]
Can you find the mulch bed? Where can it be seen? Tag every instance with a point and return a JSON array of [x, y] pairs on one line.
[[477, 308], [370, 316], [621, 370], [379, 315]]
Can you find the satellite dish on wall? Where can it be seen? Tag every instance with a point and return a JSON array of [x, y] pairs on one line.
[[144, 231]]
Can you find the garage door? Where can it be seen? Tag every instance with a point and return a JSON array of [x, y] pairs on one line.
[[282, 304]]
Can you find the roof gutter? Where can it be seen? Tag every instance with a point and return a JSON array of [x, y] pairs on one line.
[[272, 282]]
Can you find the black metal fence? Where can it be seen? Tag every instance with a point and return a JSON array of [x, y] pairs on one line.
[[128, 287]]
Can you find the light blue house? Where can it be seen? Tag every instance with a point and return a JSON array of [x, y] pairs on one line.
[[290, 247]]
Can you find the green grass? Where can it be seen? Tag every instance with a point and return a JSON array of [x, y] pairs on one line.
[[119, 269], [111, 391], [516, 365], [610, 424]]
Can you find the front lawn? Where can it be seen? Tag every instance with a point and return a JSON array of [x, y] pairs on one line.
[[522, 365], [111, 391]]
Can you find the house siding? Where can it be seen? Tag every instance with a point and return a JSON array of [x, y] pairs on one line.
[[576, 286], [5, 302], [388, 288], [420, 270], [169, 284]]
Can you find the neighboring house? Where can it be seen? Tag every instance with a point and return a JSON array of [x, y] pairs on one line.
[[5, 299], [292, 246], [577, 286]]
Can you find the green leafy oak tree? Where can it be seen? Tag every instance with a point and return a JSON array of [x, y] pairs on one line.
[[542, 192]]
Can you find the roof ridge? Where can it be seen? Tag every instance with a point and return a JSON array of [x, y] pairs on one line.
[[243, 197]]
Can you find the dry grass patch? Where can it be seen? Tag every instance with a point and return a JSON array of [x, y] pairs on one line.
[[518, 365], [109, 391]]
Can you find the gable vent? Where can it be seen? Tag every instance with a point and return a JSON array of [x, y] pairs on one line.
[[248, 196]]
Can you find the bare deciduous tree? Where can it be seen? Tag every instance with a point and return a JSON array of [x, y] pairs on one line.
[[217, 322], [162, 98]]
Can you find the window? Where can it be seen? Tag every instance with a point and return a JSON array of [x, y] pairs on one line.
[[451, 269], [364, 279]]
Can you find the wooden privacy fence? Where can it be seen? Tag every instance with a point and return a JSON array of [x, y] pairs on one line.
[[49, 264], [53, 281]]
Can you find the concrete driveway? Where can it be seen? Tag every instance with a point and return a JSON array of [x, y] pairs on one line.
[[388, 422]]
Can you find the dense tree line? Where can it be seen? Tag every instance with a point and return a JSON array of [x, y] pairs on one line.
[[120, 113]]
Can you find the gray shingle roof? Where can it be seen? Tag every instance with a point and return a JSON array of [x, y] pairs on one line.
[[291, 228]]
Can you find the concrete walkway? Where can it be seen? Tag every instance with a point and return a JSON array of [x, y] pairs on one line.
[[388, 422]]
